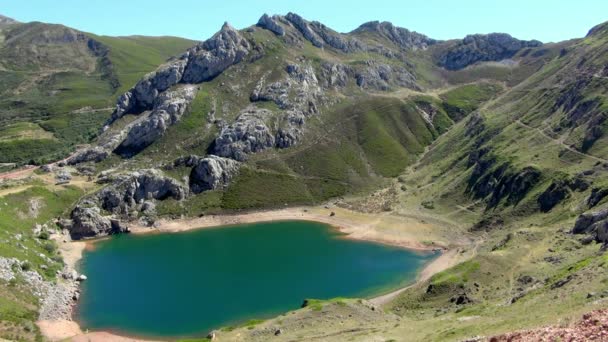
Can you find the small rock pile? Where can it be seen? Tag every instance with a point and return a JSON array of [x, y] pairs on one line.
[[593, 327], [57, 298]]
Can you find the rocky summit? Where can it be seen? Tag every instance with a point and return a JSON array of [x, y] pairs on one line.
[[488, 150]]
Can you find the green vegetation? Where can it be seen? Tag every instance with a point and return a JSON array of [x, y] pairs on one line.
[[461, 101], [134, 56], [254, 189], [65, 88], [494, 121], [35, 205], [458, 275]]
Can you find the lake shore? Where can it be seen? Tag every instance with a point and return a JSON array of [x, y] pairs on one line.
[[384, 228]]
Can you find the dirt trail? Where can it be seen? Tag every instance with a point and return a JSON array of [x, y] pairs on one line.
[[559, 142], [21, 173]]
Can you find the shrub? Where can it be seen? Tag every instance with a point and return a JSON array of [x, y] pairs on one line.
[[49, 247], [26, 266]]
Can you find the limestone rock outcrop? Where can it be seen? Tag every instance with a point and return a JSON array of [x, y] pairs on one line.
[[402, 37], [143, 95], [209, 59], [595, 224], [302, 25], [157, 92], [169, 107], [269, 23], [482, 48], [248, 134], [86, 221], [211, 173], [100, 214], [297, 95], [126, 192], [381, 76], [95, 153], [200, 63]]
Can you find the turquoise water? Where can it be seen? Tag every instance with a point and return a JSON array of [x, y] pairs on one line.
[[185, 284]]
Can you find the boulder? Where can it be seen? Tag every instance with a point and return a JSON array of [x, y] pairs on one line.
[[63, 176], [94, 154], [88, 222], [47, 168], [212, 172], [585, 221]]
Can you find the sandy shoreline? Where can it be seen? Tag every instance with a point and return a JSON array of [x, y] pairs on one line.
[[383, 228]]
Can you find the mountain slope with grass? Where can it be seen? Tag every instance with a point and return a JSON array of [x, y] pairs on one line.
[[496, 146], [63, 83]]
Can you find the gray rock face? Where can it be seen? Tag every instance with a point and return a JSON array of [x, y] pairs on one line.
[[596, 196], [302, 25], [6, 21], [483, 47], [96, 154], [298, 95], [584, 223], [336, 40], [126, 192], [271, 25], [554, 194], [292, 129], [87, 222], [380, 76], [168, 110], [198, 64], [63, 177], [334, 75], [209, 59], [144, 94], [402, 37], [249, 134], [212, 172], [595, 224]]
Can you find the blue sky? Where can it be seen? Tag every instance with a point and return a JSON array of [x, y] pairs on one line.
[[546, 20]]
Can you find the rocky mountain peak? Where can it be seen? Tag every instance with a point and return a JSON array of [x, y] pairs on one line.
[[271, 24], [227, 27], [7, 21], [601, 29], [482, 48], [401, 36]]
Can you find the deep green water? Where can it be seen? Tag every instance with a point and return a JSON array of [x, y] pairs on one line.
[[185, 284]]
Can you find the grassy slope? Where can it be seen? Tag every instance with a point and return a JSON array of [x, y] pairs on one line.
[[63, 78], [362, 141], [134, 56], [525, 242], [523, 253], [38, 204]]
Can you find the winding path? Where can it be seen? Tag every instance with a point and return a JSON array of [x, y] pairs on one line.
[[564, 145]]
